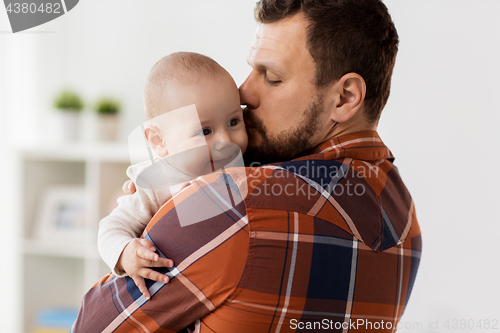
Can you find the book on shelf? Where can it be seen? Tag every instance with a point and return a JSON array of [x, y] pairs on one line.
[[55, 320]]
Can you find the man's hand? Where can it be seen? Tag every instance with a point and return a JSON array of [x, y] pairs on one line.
[[137, 258], [128, 187]]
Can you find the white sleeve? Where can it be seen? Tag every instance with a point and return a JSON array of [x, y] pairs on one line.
[[127, 221]]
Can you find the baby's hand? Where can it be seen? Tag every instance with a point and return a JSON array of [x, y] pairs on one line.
[[136, 259]]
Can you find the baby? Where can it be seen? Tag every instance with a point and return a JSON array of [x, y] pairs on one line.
[[195, 126]]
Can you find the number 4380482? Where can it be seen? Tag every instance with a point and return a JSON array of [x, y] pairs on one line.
[[24, 8], [484, 324]]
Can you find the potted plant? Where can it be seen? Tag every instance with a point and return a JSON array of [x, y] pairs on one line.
[[69, 104], [108, 110]]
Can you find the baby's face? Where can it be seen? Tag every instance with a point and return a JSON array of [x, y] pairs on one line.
[[208, 132]]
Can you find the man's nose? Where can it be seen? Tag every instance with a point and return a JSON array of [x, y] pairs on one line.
[[248, 92]]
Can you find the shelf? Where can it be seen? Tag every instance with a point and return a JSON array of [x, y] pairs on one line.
[[58, 271], [63, 249], [105, 152]]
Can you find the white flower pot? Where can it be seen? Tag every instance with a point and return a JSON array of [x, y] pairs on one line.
[[68, 125], [108, 127]]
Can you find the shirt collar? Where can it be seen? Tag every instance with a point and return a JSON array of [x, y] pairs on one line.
[[365, 145]]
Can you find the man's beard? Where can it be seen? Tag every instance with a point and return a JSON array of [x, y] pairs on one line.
[[289, 144]]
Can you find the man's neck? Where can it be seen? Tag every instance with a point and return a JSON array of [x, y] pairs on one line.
[[353, 125]]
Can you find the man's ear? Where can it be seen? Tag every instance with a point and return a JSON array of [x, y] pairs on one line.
[[156, 141], [345, 97]]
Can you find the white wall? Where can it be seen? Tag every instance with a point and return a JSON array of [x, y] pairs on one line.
[[10, 244], [441, 123], [441, 120], [107, 47]]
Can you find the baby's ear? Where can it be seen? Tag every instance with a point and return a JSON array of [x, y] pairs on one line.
[[156, 141]]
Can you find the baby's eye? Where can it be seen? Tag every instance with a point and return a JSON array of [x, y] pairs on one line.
[[205, 131], [233, 122]]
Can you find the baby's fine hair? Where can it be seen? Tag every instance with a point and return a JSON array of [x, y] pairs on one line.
[[176, 69]]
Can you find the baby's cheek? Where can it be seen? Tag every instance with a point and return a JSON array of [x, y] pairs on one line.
[[243, 141], [196, 141], [198, 165]]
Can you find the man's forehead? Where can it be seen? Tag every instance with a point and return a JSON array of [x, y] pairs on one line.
[[271, 37], [287, 36]]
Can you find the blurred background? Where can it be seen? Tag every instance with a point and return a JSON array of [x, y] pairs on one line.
[[441, 123]]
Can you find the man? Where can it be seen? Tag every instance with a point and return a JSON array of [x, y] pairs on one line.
[[328, 238]]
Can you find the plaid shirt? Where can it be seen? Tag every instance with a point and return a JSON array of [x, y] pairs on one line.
[[329, 241]]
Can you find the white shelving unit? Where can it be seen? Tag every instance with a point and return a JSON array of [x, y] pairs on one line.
[[58, 272]]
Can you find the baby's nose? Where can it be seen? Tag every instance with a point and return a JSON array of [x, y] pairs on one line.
[[221, 145], [222, 137]]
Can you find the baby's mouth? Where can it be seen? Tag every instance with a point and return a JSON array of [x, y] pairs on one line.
[[227, 159]]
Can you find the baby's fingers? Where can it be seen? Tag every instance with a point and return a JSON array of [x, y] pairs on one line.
[[147, 243], [163, 262], [153, 275], [141, 284], [147, 254]]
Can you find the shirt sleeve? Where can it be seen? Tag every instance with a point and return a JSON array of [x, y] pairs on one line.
[[209, 255], [128, 220]]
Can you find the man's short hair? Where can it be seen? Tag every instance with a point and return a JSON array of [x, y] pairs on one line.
[[178, 68], [345, 36]]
